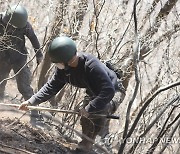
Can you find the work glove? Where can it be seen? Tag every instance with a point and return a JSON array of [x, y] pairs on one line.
[[24, 106]]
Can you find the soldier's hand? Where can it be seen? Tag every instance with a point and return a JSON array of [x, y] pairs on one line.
[[39, 60], [83, 112], [24, 106]]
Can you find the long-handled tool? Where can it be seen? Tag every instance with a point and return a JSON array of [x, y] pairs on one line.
[[59, 110]]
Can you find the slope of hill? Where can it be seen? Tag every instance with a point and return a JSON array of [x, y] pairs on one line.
[[18, 136]]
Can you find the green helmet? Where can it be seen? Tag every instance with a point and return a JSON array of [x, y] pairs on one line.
[[62, 49], [17, 16]]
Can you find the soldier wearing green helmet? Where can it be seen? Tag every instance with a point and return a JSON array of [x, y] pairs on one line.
[[16, 15], [62, 49], [81, 70], [14, 26]]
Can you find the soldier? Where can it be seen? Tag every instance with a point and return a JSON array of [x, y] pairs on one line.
[[84, 71], [14, 26]]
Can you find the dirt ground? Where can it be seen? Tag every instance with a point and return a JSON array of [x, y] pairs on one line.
[[18, 136]]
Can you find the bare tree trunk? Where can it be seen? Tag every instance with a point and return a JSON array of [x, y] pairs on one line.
[[161, 15], [56, 29], [79, 17], [147, 15]]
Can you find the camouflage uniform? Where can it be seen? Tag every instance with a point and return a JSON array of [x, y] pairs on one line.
[[93, 125], [13, 55]]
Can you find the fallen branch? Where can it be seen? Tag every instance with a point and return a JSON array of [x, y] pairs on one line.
[[59, 110], [12, 150]]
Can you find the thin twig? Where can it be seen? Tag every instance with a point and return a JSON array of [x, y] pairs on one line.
[[5, 148]]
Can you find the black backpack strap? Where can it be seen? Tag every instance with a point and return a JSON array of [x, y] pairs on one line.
[[118, 72]]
